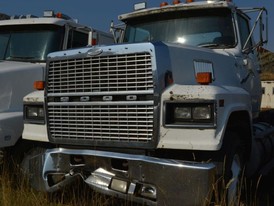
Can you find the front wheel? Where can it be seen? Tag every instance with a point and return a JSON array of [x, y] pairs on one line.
[[234, 152]]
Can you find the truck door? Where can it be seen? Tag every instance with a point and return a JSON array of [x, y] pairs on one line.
[[249, 65]]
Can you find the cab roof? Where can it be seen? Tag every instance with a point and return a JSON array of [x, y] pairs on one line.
[[177, 7], [49, 17]]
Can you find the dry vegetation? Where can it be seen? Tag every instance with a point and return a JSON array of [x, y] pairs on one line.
[[267, 65], [15, 191], [267, 76]]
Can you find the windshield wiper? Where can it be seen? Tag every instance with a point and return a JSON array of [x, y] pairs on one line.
[[20, 58], [214, 45], [209, 45]]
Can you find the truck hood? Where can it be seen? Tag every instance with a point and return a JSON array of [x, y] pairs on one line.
[[18, 65], [182, 61], [16, 80]]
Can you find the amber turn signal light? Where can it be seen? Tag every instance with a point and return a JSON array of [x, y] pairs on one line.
[[204, 77], [39, 85], [163, 4]]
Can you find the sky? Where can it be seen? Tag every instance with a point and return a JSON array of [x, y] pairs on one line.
[[99, 13]]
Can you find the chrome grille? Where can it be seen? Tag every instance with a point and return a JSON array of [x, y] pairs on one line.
[[122, 119], [130, 123], [131, 72]]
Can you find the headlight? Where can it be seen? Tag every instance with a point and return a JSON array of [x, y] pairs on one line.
[[34, 113], [189, 114], [202, 112], [182, 113]]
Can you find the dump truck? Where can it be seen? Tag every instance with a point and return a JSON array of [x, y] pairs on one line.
[[161, 116], [25, 42]]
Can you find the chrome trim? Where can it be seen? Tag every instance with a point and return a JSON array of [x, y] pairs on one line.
[[100, 93], [169, 181]]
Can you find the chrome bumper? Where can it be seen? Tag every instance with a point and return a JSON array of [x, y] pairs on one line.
[[143, 179]]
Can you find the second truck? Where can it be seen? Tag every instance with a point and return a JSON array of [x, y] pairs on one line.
[[25, 42]]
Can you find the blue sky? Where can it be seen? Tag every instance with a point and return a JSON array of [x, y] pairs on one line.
[[98, 14]]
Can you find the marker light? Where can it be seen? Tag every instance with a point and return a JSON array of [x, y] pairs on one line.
[[204, 77], [94, 38], [176, 2], [39, 85], [168, 78], [163, 4], [189, 1], [204, 71], [93, 41], [59, 15]]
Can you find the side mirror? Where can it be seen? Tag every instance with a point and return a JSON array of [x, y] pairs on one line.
[[260, 26], [117, 31]]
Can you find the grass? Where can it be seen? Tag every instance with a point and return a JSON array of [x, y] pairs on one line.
[[16, 191]]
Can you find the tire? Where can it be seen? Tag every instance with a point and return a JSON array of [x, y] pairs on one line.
[[33, 170], [233, 170]]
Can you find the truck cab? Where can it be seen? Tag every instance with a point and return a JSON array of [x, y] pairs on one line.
[[222, 28], [25, 42], [165, 111]]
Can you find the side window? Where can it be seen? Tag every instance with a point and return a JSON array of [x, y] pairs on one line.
[[244, 31], [77, 39], [263, 90]]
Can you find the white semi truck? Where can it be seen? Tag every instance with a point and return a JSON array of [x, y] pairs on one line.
[[25, 41], [156, 118]]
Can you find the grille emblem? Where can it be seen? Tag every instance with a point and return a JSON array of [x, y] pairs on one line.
[[84, 99], [94, 52], [64, 99], [107, 98], [131, 98]]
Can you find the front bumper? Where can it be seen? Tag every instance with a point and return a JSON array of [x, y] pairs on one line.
[[138, 178]]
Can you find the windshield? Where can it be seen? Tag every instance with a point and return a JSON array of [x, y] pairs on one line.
[[29, 42], [206, 28]]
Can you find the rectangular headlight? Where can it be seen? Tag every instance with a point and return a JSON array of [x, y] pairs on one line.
[[202, 112], [192, 114], [182, 112], [34, 113]]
